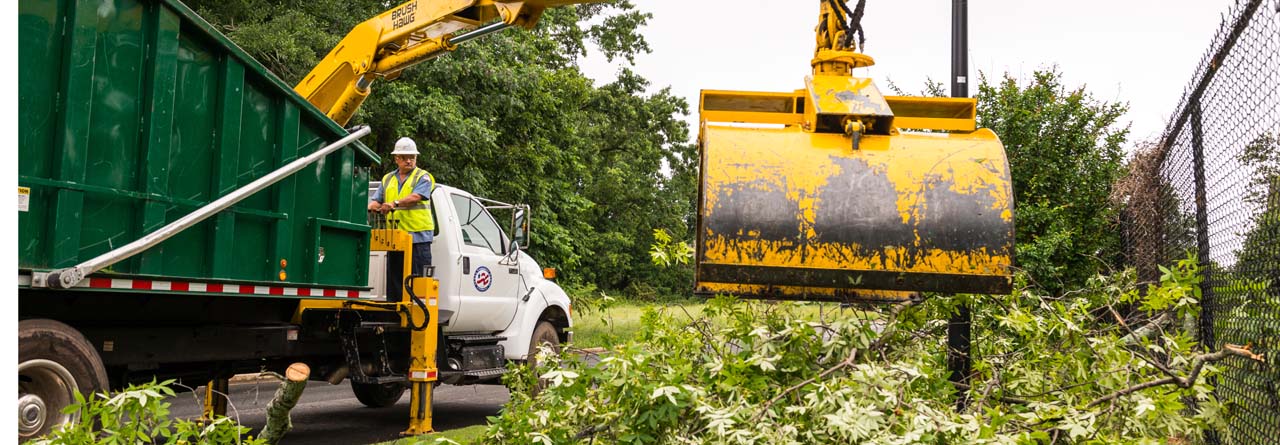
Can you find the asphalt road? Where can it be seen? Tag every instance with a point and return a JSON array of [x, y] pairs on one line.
[[330, 414]]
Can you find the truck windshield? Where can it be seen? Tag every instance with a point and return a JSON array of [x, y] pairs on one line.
[[478, 227]]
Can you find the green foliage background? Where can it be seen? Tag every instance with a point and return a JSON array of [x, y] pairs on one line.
[[1064, 149], [511, 117], [1065, 155]]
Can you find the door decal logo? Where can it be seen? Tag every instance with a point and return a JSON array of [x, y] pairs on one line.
[[482, 278]]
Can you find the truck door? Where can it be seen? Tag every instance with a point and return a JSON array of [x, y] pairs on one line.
[[489, 280]]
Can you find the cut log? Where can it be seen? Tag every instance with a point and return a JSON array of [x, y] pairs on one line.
[[295, 380]]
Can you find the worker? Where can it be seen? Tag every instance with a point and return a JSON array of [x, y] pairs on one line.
[[407, 192]]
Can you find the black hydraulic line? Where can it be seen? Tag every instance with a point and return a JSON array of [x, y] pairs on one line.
[[837, 6], [843, 7], [855, 24], [426, 315]]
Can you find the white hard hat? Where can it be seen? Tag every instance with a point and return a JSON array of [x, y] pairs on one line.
[[405, 146]]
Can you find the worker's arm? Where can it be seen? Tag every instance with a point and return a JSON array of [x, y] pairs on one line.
[[421, 191], [408, 201], [413, 32]]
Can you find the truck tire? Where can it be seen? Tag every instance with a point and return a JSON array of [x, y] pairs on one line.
[[376, 395], [54, 362], [545, 333]]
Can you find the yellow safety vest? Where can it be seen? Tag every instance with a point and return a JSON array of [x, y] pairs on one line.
[[416, 218]]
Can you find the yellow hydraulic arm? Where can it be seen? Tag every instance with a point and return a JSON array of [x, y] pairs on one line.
[[413, 32]]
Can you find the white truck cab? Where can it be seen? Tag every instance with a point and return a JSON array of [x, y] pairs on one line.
[[491, 292]]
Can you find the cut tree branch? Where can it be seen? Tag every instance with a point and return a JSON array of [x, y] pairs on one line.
[[291, 386], [1146, 330], [1005, 399], [1197, 364], [847, 362]]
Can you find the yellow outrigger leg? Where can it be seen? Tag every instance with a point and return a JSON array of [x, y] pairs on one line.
[[422, 341], [422, 355], [419, 312], [215, 397]]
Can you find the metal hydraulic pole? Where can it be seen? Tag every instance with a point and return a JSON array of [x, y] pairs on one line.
[[958, 330]]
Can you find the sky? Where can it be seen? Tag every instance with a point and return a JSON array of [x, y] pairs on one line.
[[1143, 52]]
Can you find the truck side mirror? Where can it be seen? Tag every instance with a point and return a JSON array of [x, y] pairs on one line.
[[520, 228]]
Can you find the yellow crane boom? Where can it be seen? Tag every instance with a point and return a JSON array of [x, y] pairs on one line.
[[410, 33]]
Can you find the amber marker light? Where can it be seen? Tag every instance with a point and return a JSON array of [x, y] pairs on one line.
[[549, 273]]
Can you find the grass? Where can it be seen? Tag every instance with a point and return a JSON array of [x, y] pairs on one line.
[[620, 322], [472, 435], [614, 325]]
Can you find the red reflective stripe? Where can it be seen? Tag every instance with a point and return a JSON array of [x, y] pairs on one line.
[[184, 286], [431, 374]]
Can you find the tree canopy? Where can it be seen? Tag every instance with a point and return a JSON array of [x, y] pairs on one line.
[[1065, 155], [1064, 149]]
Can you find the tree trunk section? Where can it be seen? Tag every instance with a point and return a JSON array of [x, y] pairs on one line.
[[295, 380]]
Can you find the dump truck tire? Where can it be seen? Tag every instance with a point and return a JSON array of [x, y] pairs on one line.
[[54, 361], [375, 395]]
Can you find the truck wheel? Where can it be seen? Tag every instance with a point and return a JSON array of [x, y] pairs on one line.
[[54, 362], [545, 333], [375, 395]]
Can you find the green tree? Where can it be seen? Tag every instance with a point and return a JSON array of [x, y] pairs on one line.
[[1258, 256], [1064, 149], [511, 117], [1248, 292]]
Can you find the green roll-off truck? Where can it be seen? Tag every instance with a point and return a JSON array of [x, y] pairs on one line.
[[183, 213]]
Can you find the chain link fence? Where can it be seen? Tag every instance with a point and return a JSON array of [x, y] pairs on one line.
[[1211, 186]]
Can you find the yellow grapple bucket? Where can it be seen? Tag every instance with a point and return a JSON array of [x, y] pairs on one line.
[[822, 194]]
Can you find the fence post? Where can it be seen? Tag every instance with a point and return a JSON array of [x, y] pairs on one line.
[[1202, 228], [1202, 243]]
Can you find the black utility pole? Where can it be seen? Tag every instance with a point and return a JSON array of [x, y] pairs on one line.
[[958, 338], [959, 48]]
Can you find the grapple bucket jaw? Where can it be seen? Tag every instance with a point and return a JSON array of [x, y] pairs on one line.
[[824, 194]]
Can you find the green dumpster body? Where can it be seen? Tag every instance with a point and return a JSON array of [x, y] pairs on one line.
[[133, 114]]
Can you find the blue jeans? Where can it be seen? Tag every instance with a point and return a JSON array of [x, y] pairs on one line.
[[421, 258]]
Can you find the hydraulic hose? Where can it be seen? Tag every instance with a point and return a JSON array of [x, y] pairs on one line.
[[408, 314]]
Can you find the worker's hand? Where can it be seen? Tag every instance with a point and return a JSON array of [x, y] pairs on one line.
[[385, 208], [374, 206]]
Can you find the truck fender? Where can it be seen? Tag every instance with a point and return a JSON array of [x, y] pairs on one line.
[[548, 303]]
